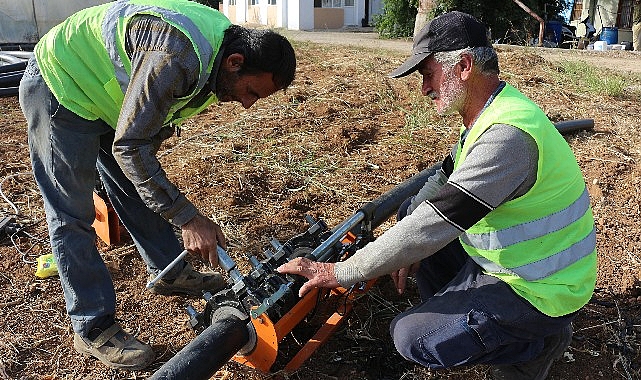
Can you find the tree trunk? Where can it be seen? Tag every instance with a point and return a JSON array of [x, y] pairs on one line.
[[636, 26], [425, 7], [537, 17]]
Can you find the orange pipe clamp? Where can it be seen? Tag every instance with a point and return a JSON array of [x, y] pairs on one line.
[[269, 334]]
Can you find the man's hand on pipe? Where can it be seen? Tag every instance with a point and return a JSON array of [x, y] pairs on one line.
[[320, 275], [201, 236]]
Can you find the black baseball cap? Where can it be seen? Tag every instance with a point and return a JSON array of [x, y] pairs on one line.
[[447, 32]]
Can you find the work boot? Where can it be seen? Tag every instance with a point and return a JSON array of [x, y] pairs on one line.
[[116, 349], [190, 282], [536, 369]]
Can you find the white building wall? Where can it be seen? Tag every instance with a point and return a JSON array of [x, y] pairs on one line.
[[360, 10], [300, 15], [241, 11], [375, 8], [292, 14], [263, 11], [281, 13]]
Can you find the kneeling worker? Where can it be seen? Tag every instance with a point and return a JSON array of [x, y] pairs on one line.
[[501, 239]]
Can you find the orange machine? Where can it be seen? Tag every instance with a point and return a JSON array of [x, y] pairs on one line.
[[270, 334], [249, 320]]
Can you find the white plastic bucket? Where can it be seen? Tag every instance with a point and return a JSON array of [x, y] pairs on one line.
[[600, 45]]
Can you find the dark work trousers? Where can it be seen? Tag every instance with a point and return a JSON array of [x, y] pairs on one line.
[[65, 151], [467, 317]]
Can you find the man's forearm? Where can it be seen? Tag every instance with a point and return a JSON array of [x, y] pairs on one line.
[[410, 240]]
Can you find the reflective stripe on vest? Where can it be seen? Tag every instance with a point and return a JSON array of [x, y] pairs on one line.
[[544, 268], [118, 11], [531, 230]]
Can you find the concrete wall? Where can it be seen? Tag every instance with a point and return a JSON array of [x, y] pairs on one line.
[[290, 14], [272, 16], [235, 13], [231, 13], [253, 14], [300, 14]]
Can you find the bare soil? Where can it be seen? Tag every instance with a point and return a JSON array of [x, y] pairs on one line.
[[340, 136]]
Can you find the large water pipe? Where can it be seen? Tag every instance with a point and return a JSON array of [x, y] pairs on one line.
[[11, 79], [208, 352], [13, 67]]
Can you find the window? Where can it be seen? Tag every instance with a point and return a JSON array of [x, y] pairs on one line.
[[252, 2], [335, 3], [232, 2], [271, 2]]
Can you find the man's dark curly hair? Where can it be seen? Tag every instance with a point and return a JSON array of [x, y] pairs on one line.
[[264, 51]]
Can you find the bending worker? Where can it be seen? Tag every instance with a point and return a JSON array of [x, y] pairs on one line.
[[107, 86], [501, 238]]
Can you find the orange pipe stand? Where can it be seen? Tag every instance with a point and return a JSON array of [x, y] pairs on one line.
[[106, 224]]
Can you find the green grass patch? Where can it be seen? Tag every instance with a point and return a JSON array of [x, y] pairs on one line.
[[591, 78]]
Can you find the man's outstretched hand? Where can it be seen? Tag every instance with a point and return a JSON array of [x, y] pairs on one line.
[[320, 275]]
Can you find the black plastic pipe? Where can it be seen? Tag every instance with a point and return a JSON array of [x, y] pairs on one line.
[[11, 79], [13, 67], [8, 91], [381, 208], [574, 125], [208, 352]]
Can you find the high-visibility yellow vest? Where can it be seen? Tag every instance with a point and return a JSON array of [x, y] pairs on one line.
[[543, 244], [84, 63]]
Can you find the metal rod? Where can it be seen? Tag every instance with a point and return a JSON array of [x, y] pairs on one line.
[[229, 265], [225, 262], [172, 264], [319, 253]]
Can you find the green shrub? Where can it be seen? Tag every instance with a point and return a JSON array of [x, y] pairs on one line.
[[397, 19]]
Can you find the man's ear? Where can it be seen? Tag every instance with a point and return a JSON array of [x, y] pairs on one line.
[[466, 63], [234, 62]]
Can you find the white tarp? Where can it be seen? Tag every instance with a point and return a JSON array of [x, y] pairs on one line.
[[25, 21]]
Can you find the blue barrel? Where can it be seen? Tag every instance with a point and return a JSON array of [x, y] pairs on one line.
[[610, 35], [554, 31]]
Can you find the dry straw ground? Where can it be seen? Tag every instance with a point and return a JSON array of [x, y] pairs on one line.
[[340, 136]]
